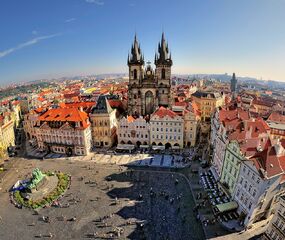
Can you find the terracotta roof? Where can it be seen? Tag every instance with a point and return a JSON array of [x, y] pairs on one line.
[[162, 112], [258, 101], [86, 106], [276, 117], [115, 103], [130, 119], [181, 104], [246, 129], [229, 115], [65, 115], [268, 160]]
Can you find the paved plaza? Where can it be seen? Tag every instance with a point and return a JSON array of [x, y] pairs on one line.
[[103, 202]]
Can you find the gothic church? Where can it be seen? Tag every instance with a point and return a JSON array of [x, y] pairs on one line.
[[149, 89]]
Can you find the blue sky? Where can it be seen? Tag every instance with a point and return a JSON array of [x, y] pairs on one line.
[[53, 38]]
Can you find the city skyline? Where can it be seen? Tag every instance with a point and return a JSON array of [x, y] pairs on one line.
[[52, 39]]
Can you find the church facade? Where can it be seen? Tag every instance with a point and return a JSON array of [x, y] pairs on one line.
[[149, 89]]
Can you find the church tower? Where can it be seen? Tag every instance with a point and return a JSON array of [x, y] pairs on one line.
[[148, 89], [163, 64], [234, 86], [136, 75]]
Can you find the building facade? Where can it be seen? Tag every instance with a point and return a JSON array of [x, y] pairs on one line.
[[276, 228], [166, 129], [64, 131], [191, 126], [104, 123], [7, 133], [207, 102], [133, 131], [148, 89], [259, 183]]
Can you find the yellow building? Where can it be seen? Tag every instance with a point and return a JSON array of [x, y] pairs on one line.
[[7, 134], [207, 102], [104, 123], [191, 125]]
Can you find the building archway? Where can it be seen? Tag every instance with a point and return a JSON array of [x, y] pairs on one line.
[[129, 142], [138, 143], [122, 142], [144, 143], [160, 144], [153, 144], [176, 145], [167, 146], [69, 151]]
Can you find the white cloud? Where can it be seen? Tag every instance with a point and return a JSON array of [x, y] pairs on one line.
[[26, 44], [97, 2], [70, 20]]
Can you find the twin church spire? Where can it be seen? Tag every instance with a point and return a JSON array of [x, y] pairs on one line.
[[162, 56]]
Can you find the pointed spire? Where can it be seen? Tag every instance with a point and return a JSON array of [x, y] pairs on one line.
[[162, 38], [136, 56], [163, 52]]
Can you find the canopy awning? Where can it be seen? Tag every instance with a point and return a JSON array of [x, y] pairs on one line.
[[225, 207], [144, 146], [175, 147], [126, 147], [158, 147]]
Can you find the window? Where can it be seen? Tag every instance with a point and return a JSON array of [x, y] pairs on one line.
[[249, 205], [135, 74], [238, 192], [254, 193], [162, 73]]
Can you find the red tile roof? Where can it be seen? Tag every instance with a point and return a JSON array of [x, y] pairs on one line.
[[130, 119], [65, 115], [163, 112], [269, 161], [276, 117]]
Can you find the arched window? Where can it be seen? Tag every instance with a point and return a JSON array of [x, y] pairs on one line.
[[163, 73], [135, 74]]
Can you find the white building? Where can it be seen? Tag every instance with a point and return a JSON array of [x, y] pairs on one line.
[[276, 228], [166, 129], [222, 123], [259, 182], [65, 131], [133, 131]]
